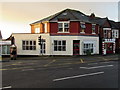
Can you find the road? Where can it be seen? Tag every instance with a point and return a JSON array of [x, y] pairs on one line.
[[53, 74]]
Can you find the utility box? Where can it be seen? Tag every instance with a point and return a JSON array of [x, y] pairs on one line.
[[13, 52], [104, 52]]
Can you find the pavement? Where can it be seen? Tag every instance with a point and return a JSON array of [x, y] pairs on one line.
[[83, 59]]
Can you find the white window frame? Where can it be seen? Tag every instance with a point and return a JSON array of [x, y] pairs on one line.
[[25, 46], [115, 33], [59, 45], [91, 45], [105, 35], [63, 27], [37, 30]]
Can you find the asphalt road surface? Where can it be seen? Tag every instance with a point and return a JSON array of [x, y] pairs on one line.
[[48, 74]]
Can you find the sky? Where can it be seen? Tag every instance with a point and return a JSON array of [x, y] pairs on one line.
[[15, 17]]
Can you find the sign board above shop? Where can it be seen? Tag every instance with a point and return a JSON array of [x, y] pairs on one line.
[[5, 42]]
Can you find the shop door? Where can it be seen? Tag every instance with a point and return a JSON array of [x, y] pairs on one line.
[[109, 48], [76, 47]]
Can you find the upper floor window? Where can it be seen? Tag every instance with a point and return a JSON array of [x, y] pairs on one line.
[[115, 34], [82, 25], [63, 26], [93, 28], [37, 30], [28, 45], [107, 32]]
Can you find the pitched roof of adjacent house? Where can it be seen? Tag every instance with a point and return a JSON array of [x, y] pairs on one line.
[[114, 25]]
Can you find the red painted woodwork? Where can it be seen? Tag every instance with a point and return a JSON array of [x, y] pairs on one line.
[[88, 28], [53, 27], [109, 48], [76, 47], [74, 27]]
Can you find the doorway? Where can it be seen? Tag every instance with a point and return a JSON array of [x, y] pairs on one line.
[[76, 47]]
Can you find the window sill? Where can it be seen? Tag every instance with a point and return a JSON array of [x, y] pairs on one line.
[[63, 32], [93, 33], [82, 32]]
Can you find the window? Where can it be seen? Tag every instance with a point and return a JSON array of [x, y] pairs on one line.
[[93, 28], [5, 49], [59, 45], [88, 48], [63, 27], [29, 45], [82, 25], [107, 32], [114, 33], [37, 30]]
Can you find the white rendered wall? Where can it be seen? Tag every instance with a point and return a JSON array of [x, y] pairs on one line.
[[69, 44], [20, 37], [49, 44]]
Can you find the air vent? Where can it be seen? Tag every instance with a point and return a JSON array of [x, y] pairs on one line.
[[64, 13]]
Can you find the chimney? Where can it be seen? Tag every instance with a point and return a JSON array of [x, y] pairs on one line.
[[92, 15]]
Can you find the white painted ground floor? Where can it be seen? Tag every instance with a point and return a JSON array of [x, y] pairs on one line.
[[27, 44]]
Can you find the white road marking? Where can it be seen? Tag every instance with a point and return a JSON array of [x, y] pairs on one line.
[[97, 67], [70, 68], [92, 63], [27, 69], [65, 78], [6, 87], [105, 62]]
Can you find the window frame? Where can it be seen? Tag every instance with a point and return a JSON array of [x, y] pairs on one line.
[[63, 27], [29, 46], [115, 33], [37, 30], [88, 46], [59, 45]]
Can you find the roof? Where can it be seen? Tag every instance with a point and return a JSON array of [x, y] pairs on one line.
[[74, 15], [98, 20], [68, 14], [114, 25]]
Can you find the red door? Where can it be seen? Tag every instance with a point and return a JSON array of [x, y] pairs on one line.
[[109, 48], [76, 47]]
